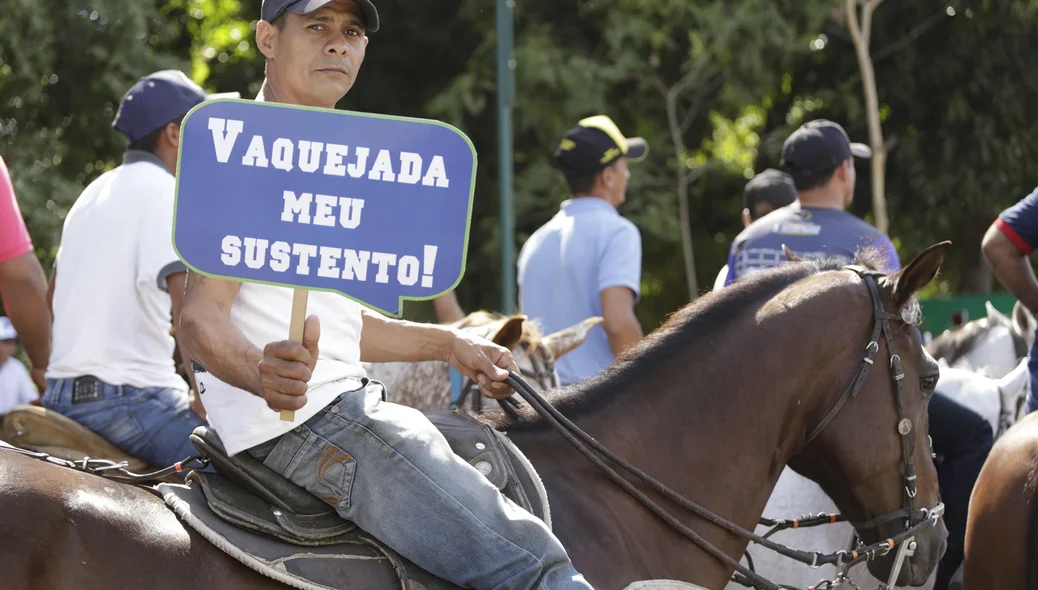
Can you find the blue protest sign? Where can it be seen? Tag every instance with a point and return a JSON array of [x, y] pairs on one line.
[[374, 207]]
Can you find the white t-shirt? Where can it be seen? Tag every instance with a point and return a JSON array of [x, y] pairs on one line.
[[262, 313], [112, 313], [16, 387]]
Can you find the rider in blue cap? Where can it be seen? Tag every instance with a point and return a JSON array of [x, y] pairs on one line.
[[111, 367]]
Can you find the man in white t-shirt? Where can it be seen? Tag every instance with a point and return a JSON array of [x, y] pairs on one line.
[[381, 465], [16, 387], [118, 282]]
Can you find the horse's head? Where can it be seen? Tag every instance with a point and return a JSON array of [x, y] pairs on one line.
[[534, 354], [992, 345], [866, 442]]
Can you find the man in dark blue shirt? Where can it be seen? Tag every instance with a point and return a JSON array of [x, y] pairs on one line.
[[1006, 246], [820, 158]]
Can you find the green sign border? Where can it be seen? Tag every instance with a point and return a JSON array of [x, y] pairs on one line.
[[468, 221]]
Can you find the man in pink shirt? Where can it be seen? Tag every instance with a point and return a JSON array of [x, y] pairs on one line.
[[22, 283]]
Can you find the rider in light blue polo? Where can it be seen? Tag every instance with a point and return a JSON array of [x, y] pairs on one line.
[[586, 261]]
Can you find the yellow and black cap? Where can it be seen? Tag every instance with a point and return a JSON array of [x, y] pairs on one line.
[[595, 143]]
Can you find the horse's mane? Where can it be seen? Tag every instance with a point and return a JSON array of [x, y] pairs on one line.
[[703, 318]]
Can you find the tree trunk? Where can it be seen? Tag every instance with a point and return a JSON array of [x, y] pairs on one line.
[[682, 180], [861, 35]]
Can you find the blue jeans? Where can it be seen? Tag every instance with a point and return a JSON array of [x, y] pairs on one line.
[[151, 423], [388, 469]]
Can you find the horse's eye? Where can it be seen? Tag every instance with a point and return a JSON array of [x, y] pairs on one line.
[[928, 384]]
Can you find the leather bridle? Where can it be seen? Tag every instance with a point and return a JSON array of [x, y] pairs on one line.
[[914, 519], [881, 323]]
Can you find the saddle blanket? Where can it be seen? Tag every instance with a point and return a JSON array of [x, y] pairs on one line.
[[359, 563]]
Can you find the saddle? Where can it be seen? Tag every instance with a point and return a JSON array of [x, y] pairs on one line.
[[44, 431], [283, 531]]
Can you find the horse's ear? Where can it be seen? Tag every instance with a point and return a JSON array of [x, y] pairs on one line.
[[510, 332], [994, 314], [790, 255], [566, 340], [918, 273], [1023, 322]]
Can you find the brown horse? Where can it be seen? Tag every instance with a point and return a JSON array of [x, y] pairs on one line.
[[714, 404], [1002, 526]]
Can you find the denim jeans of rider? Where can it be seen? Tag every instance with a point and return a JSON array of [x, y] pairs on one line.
[[388, 469], [150, 423]]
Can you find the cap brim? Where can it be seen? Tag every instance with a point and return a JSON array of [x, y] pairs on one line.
[[637, 149], [860, 150], [370, 14]]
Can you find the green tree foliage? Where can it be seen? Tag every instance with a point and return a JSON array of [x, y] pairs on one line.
[[63, 70], [955, 93]]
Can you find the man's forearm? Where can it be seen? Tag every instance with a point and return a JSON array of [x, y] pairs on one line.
[[624, 338], [1018, 277], [1011, 267], [448, 310], [207, 335], [24, 290], [386, 340]]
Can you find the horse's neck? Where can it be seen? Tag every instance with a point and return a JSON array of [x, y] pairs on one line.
[[707, 425]]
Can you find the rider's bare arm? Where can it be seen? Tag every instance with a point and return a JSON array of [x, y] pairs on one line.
[[1012, 267], [24, 289], [620, 323], [387, 340], [50, 288], [176, 283], [207, 335], [448, 310]]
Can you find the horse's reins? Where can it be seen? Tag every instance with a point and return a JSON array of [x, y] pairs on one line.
[[542, 373], [110, 469], [587, 446]]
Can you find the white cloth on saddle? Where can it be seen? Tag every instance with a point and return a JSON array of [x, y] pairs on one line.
[[111, 306], [262, 313], [663, 585], [16, 388]]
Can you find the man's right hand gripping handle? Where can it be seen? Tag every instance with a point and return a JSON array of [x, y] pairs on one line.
[[287, 366]]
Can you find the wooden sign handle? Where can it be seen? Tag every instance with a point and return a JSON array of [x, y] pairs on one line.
[[295, 333]]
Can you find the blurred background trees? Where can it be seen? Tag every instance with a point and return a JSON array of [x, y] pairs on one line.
[[714, 85]]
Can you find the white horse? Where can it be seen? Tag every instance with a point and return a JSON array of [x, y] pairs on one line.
[[996, 390], [427, 385], [991, 345]]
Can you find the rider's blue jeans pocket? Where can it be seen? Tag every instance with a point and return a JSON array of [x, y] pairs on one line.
[[315, 464]]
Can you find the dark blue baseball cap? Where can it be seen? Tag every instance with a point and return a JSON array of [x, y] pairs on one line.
[[272, 9], [771, 186], [818, 147], [157, 100]]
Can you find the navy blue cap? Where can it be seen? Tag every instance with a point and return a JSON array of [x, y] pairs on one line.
[[157, 100], [272, 9], [818, 147], [771, 186]]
